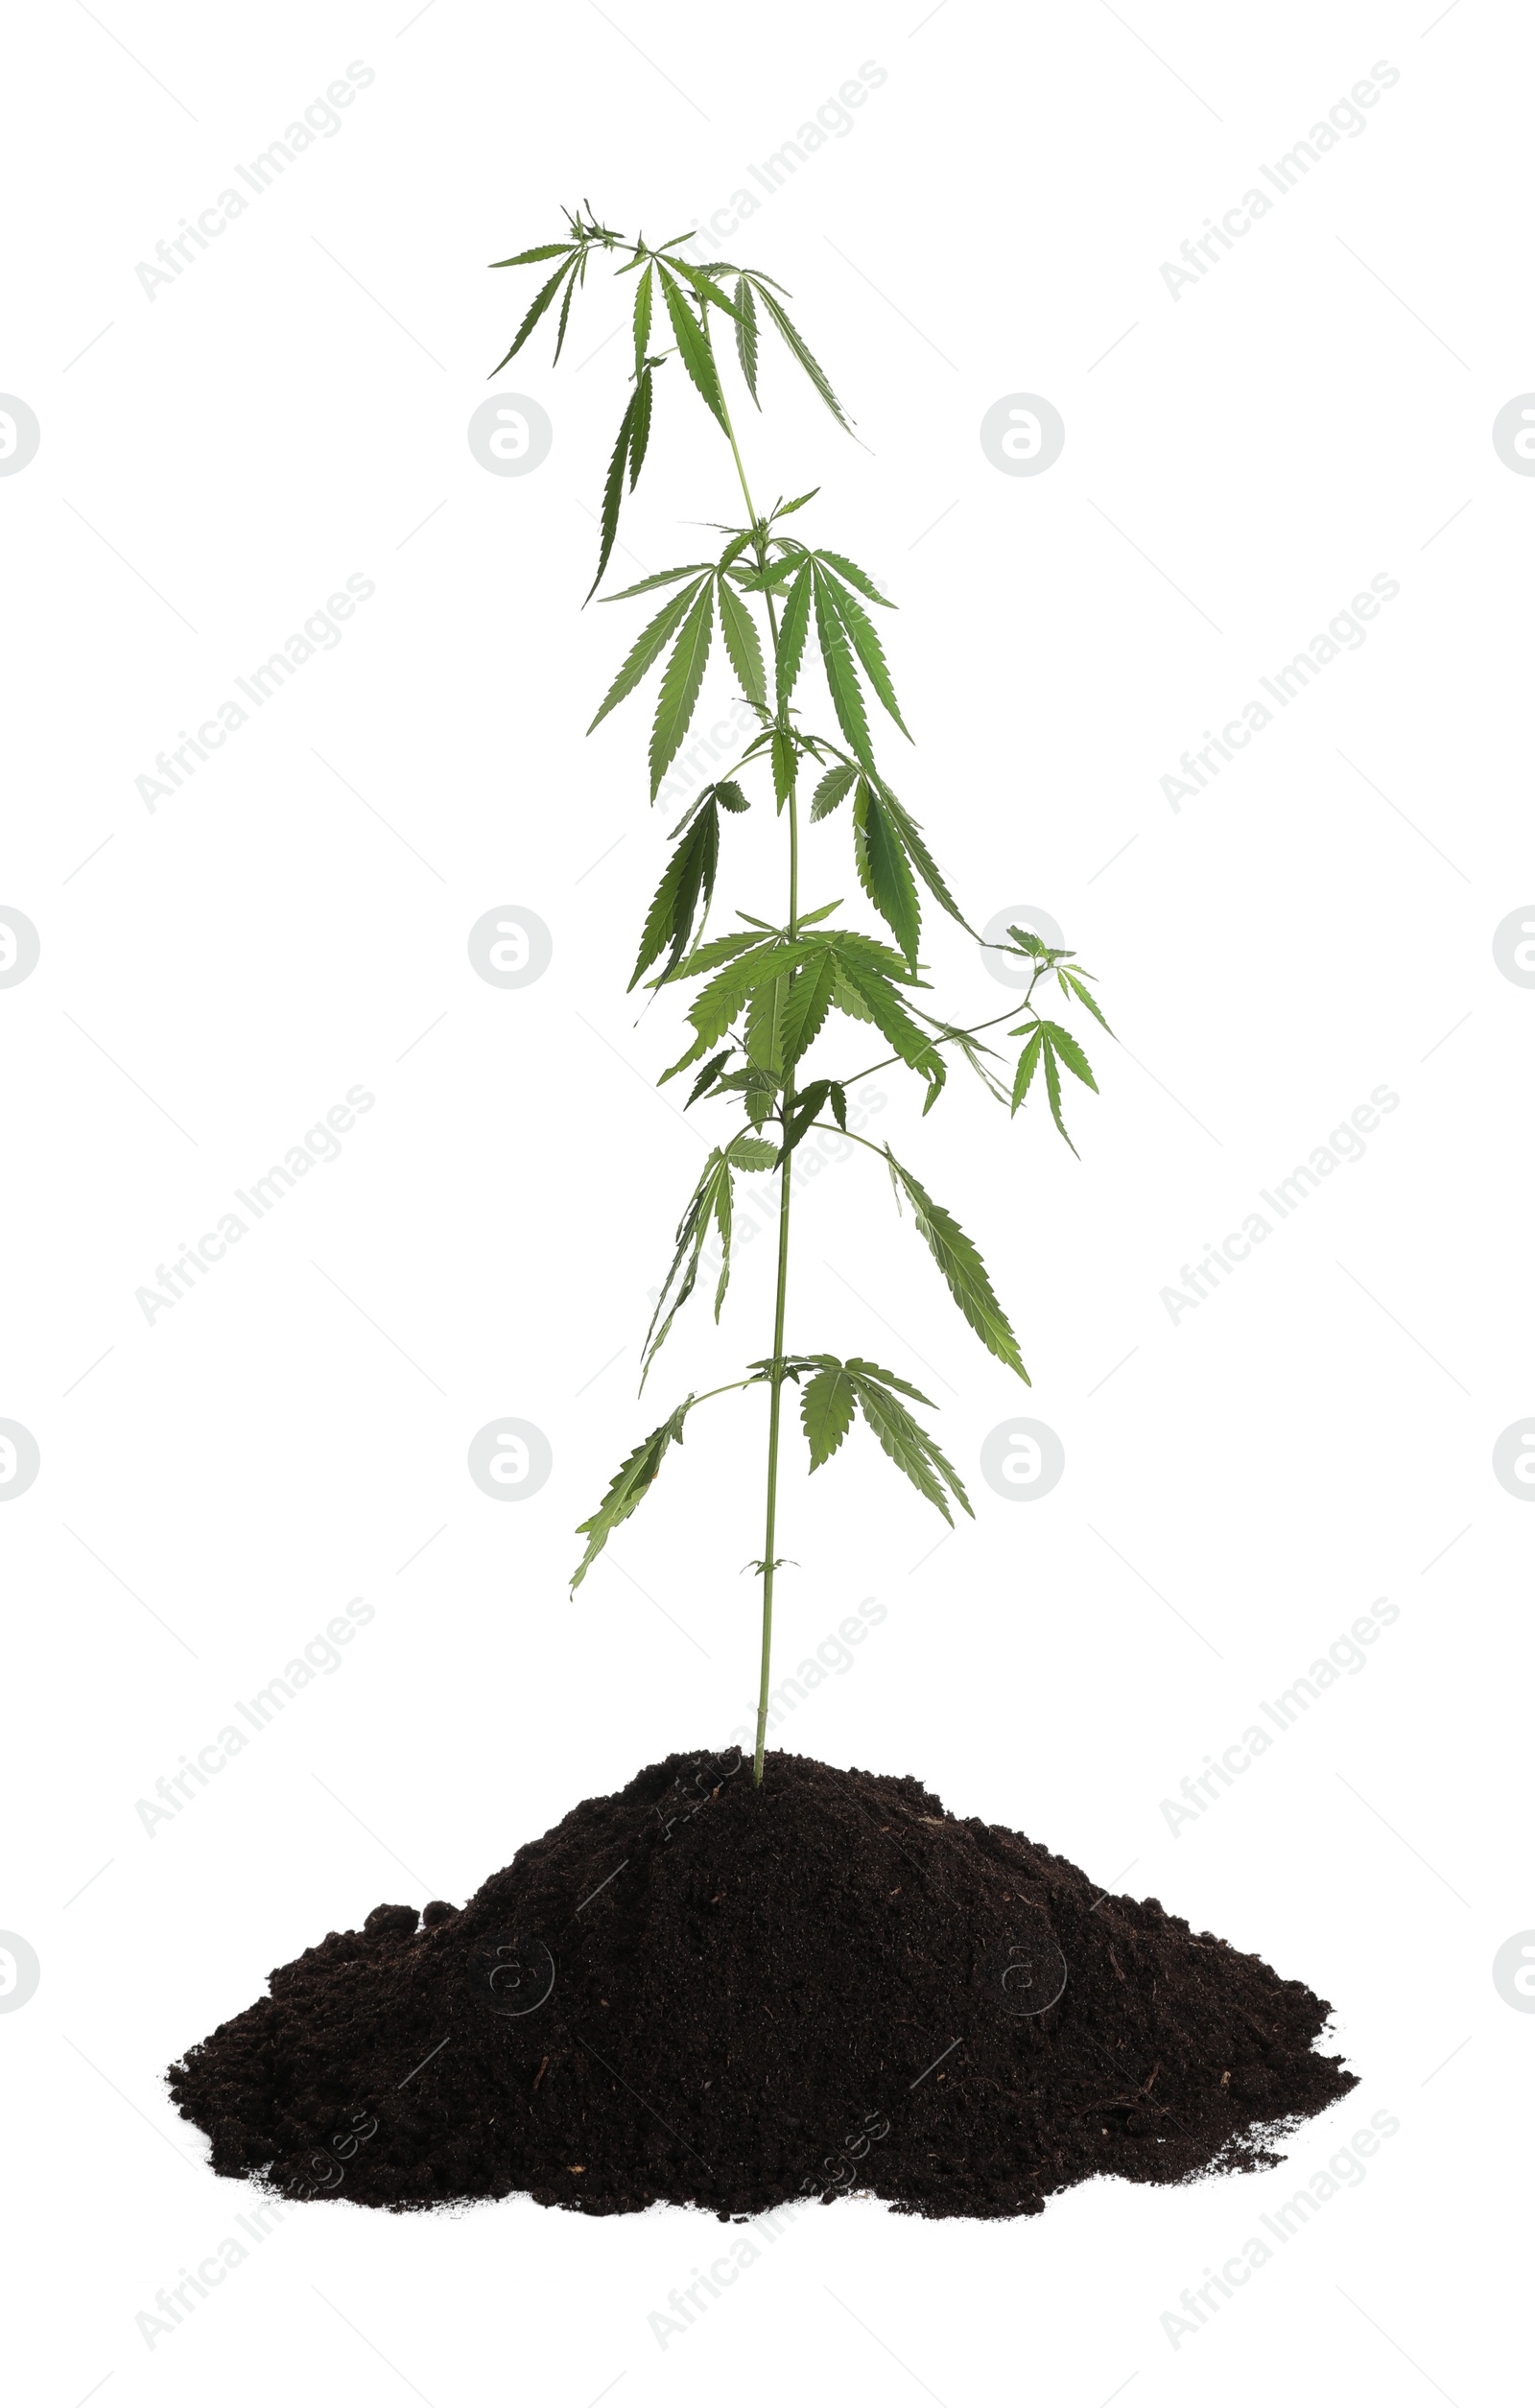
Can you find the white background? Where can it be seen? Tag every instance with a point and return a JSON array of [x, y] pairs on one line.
[[1241, 1483]]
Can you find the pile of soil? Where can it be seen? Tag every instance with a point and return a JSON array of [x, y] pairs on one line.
[[697, 1992]]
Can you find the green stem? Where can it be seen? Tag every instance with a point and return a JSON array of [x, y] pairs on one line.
[[776, 1407]]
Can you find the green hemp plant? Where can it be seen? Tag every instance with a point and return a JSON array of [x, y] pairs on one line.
[[769, 993]]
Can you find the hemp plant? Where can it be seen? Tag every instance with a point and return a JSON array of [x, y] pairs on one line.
[[768, 994]]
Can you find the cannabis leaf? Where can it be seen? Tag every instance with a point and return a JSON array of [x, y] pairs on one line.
[[742, 643], [826, 1409], [709, 1202], [792, 636], [884, 871], [1071, 983], [1048, 1042], [842, 677], [810, 999], [799, 349], [627, 1489], [648, 647], [928, 870], [963, 1267], [542, 298], [864, 639], [613, 489], [694, 347], [826, 1414], [678, 698], [747, 335], [832, 788], [689, 876]]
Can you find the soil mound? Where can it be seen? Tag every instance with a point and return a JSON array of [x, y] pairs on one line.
[[695, 1992]]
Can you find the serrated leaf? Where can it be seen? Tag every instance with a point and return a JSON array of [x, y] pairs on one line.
[[832, 788], [1027, 1065], [692, 1234], [783, 753], [838, 1102], [678, 697], [709, 957], [826, 1409], [963, 1270], [646, 648], [540, 250], [694, 347], [910, 1043], [742, 643], [763, 1033], [876, 955], [865, 642], [702, 282], [850, 1002], [807, 1105], [724, 1216], [928, 869], [613, 490], [662, 577], [711, 1011], [1085, 996], [1053, 1084], [904, 1441], [751, 1153], [747, 335], [842, 677], [689, 876], [801, 350], [810, 999], [642, 318], [536, 310], [730, 794], [1062, 1042], [787, 510], [627, 1489], [685, 1061], [565, 316], [884, 871], [791, 635], [708, 1075], [640, 431], [855, 576], [757, 580]]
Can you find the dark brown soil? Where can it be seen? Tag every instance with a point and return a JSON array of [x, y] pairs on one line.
[[703, 1994]]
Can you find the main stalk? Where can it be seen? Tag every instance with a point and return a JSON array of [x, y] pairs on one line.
[[776, 1407]]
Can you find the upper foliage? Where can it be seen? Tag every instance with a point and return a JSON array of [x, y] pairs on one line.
[[767, 994]]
